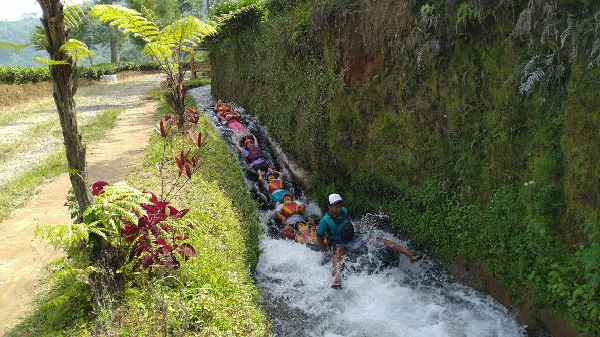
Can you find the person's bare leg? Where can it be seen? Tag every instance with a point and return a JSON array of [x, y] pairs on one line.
[[412, 256], [337, 267]]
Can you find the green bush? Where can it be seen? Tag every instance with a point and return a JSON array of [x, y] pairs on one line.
[[248, 14], [20, 75]]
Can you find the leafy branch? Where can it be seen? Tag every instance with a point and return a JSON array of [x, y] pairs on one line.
[[166, 46]]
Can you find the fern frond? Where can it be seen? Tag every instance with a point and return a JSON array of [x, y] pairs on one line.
[[63, 235], [49, 62], [530, 65], [73, 13], [549, 61], [223, 18], [126, 20], [5, 46], [567, 32], [116, 205], [188, 29], [77, 49], [532, 79], [546, 32], [595, 60], [574, 51]]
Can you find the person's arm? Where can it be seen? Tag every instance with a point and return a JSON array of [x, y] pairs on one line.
[[320, 240], [261, 178], [280, 216], [238, 144], [321, 243], [279, 174], [254, 138]]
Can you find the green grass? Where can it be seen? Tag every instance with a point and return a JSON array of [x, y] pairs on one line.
[[212, 294], [196, 82], [24, 186]]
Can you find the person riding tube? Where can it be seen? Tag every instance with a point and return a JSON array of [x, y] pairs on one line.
[[343, 239], [232, 119], [273, 184], [252, 152], [222, 107]]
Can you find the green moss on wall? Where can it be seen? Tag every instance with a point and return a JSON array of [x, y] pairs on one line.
[[430, 127]]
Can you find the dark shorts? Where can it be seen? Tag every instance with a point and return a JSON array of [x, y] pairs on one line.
[[264, 166], [357, 246]]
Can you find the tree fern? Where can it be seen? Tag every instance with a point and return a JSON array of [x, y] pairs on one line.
[[161, 44], [116, 204], [166, 46]]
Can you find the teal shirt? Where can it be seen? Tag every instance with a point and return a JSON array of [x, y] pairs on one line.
[[327, 223]]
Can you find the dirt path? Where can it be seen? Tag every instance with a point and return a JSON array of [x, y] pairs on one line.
[[22, 257]]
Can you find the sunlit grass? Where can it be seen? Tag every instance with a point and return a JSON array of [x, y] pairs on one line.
[[21, 189], [25, 185], [212, 294]]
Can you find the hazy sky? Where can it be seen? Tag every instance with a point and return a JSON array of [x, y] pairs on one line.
[[11, 10]]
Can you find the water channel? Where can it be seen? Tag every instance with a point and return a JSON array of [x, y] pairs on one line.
[[405, 299]]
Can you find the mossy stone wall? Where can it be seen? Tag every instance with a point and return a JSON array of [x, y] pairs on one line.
[[424, 111]]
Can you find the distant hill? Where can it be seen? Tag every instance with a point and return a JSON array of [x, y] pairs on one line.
[[18, 32]]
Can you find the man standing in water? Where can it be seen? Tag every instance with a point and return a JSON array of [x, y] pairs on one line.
[[341, 234]]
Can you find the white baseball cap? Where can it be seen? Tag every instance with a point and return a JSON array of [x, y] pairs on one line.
[[334, 199]]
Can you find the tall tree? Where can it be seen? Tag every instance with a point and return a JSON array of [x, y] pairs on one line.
[[99, 35], [64, 88], [104, 281]]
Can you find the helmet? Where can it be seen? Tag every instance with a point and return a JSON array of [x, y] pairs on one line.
[[248, 140], [287, 194], [220, 101], [269, 174]]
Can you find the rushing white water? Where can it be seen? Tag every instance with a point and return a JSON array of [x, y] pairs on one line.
[[405, 299]]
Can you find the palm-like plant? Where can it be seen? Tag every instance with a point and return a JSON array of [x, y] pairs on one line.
[[167, 46]]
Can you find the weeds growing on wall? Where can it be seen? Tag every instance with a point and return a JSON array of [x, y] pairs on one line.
[[472, 128]]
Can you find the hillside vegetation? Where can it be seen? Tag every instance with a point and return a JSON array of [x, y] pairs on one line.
[[473, 124]]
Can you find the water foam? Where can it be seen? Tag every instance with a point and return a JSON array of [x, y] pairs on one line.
[[409, 300]]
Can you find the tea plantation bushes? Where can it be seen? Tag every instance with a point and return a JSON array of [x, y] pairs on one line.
[[19, 75]]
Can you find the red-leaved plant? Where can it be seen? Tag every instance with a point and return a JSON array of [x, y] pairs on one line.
[[187, 162], [155, 242], [192, 115]]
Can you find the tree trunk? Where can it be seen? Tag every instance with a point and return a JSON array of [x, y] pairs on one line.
[[64, 89], [175, 84], [104, 281], [114, 51]]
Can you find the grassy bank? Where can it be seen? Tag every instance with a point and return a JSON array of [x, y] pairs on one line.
[[212, 294]]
